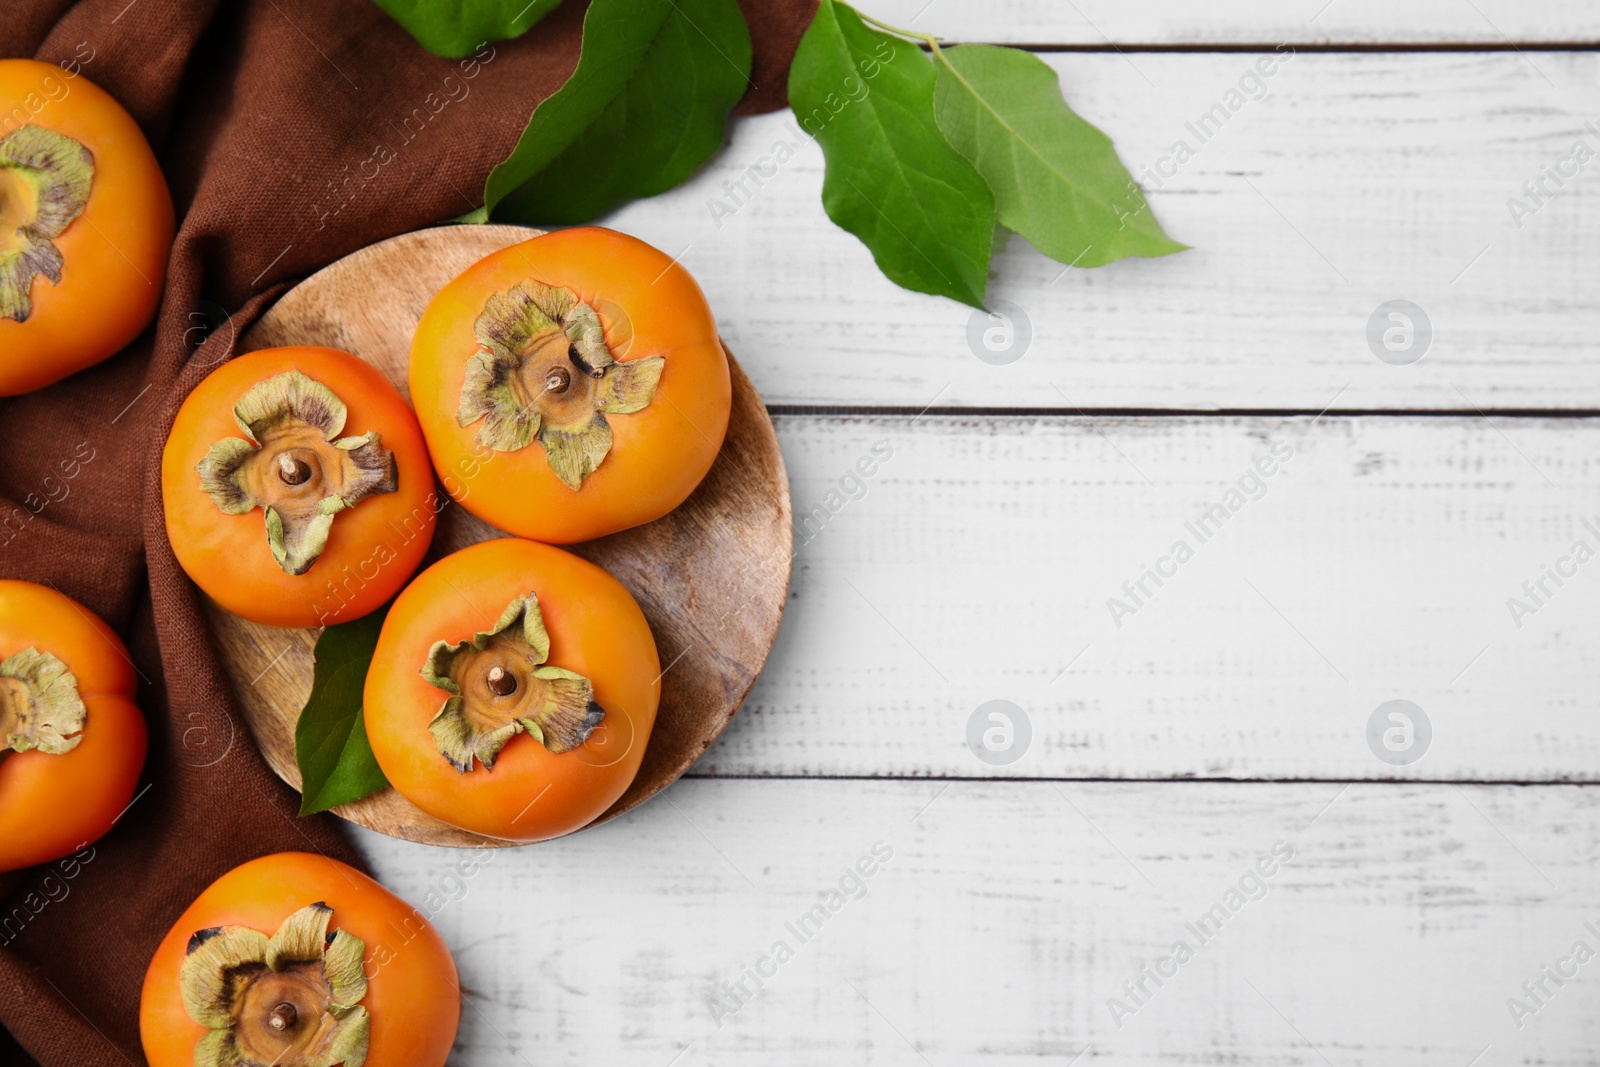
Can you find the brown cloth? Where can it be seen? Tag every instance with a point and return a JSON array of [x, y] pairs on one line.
[[267, 115]]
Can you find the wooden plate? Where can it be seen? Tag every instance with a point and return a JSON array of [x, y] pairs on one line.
[[712, 577]]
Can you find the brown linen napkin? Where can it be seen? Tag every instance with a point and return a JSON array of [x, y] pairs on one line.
[[269, 117]]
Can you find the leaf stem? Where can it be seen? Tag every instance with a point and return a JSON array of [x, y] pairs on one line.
[[938, 54], [477, 216], [928, 39]]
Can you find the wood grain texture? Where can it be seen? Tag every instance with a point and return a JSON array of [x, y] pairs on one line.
[[713, 631], [1008, 915], [1099, 23], [1376, 563], [973, 562], [1358, 179]]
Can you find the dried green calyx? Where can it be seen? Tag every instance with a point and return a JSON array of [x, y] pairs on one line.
[[45, 179], [39, 704], [295, 466], [289, 1000], [499, 686], [545, 372]]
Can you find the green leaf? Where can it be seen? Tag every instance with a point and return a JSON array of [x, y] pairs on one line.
[[330, 741], [892, 179], [1056, 179], [646, 106], [455, 27]]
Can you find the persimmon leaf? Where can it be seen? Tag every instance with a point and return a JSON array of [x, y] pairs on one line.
[[647, 104], [455, 27], [330, 740], [1056, 179], [892, 178]]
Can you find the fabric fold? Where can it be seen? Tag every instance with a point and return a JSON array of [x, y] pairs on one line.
[[282, 157]]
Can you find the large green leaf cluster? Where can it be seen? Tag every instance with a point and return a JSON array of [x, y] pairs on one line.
[[928, 152]]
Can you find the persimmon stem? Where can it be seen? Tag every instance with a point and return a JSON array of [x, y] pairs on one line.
[[292, 470], [292, 447], [45, 178], [292, 999], [39, 704], [501, 682], [525, 694]]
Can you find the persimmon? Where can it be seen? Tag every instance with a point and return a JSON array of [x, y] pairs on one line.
[[86, 224], [571, 386], [72, 743], [513, 690], [298, 960], [272, 512]]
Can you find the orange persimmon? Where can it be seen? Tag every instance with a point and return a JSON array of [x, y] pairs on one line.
[[571, 386], [501, 639], [72, 743], [272, 512], [85, 225], [299, 960]]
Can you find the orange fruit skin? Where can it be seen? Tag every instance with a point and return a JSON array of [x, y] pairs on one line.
[[115, 253], [372, 548], [649, 306], [413, 991], [595, 628], [51, 806]]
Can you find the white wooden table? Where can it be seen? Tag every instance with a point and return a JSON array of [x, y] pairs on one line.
[[1174, 746]]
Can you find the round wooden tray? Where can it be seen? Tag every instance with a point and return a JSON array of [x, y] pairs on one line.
[[712, 577]]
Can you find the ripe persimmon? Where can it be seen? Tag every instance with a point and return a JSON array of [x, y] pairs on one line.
[[72, 742], [508, 638], [272, 512], [571, 386], [85, 225], [299, 960]]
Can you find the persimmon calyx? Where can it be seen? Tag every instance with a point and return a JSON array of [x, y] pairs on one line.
[[544, 371], [500, 686], [293, 464], [289, 1000], [39, 704], [45, 179]]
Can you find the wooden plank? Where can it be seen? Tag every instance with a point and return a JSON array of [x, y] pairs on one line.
[[1172, 22], [1358, 179], [1008, 914], [979, 558]]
